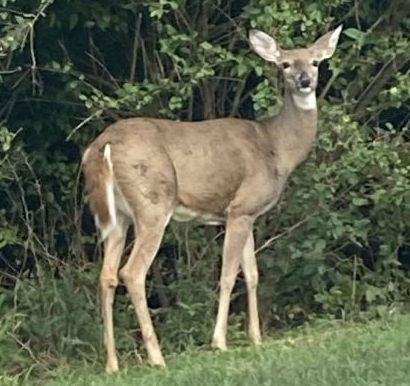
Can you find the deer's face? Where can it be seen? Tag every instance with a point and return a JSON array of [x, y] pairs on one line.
[[300, 70], [300, 66]]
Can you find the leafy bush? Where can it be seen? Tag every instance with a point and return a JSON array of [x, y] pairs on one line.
[[337, 244], [349, 203]]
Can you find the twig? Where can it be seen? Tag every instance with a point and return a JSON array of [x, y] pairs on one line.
[[188, 249], [268, 242], [237, 100], [40, 12], [8, 108], [78, 206], [236, 25], [53, 101], [7, 72], [20, 79], [138, 19], [328, 85], [84, 122], [350, 13], [204, 250], [356, 14], [33, 58], [104, 68], [37, 186], [160, 286], [27, 218], [379, 80], [27, 348], [16, 12]]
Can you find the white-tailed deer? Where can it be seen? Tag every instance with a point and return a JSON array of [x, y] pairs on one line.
[[145, 171]]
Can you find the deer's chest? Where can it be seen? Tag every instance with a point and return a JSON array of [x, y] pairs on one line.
[[271, 197]]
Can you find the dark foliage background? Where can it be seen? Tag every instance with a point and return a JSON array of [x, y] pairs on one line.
[[336, 246]]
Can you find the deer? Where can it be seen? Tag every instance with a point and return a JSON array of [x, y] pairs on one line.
[[228, 171]]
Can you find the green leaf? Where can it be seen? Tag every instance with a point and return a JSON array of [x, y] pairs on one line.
[[358, 201], [259, 70], [73, 21], [206, 46], [354, 34]]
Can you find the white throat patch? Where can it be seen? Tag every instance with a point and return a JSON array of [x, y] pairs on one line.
[[306, 101]]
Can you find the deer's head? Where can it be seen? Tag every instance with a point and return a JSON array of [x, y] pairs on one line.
[[299, 66]]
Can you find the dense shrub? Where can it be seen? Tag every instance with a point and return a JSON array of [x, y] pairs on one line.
[[337, 244]]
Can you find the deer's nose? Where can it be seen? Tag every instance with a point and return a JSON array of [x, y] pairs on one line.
[[304, 79]]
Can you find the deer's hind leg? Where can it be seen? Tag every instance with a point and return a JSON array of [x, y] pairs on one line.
[[150, 226], [113, 248], [152, 201]]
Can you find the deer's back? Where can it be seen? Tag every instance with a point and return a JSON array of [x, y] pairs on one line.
[[203, 164]]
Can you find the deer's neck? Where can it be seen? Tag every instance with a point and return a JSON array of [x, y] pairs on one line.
[[293, 130]]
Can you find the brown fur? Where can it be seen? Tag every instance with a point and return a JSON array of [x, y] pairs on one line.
[[219, 171], [96, 173], [203, 165]]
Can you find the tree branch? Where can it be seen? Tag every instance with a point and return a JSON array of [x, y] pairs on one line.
[[378, 83], [138, 19]]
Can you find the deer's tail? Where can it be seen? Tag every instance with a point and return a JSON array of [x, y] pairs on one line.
[[99, 184]]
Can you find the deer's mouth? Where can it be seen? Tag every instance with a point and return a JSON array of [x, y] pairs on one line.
[[305, 90]]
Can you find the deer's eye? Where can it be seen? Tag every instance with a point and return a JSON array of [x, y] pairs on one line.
[[315, 63], [285, 65]]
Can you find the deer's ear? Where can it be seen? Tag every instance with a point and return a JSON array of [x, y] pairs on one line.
[[264, 45], [326, 45]]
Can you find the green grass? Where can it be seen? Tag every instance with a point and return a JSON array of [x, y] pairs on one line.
[[377, 353]]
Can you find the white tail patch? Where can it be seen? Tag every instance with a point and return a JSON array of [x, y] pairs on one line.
[[107, 157], [85, 155], [109, 191]]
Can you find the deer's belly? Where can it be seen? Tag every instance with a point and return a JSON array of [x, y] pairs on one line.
[[183, 214]]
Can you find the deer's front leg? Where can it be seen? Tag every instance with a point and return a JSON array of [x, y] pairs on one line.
[[250, 271], [237, 231]]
